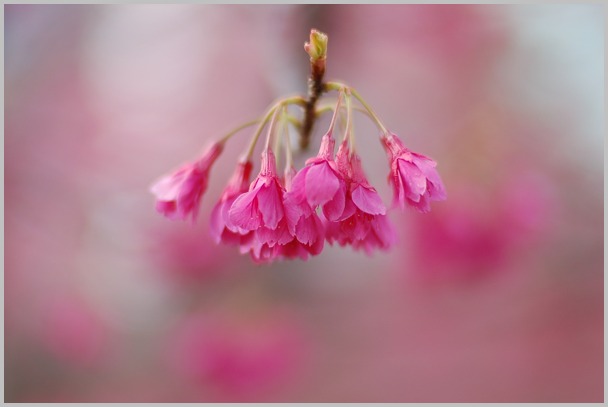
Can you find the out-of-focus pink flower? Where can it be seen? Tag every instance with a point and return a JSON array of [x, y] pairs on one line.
[[363, 224], [179, 194], [237, 358], [459, 242], [261, 211], [479, 233], [73, 332], [413, 176], [320, 181], [529, 204]]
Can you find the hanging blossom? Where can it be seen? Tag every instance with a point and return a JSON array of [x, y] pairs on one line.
[[303, 222], [320, 183], [223, 230], [329, 200], [260, 210], [179, 194], [414, 177], [364, 223]]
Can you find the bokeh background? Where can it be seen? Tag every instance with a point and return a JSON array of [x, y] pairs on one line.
[[494, 296]]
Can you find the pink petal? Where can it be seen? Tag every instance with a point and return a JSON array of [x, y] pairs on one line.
[[321, 184], [422, 205], [317, 246], [298, 183], [335, 208], [427, 166], [306, 230], [280, 235], [292, 250], [168, 187], [168, 209], [437, 191], [414, 181], [244, 212], [368, 201], [216, 222], [231, 238], [357, 226], [385, 231], [270, 205]]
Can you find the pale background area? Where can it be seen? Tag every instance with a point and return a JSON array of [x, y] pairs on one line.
[[496, 295]]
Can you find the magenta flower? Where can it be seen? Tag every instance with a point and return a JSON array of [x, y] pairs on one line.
[[261, 211], [222, 228], [364, 224], [178, 195], [413, 176], [303, 223], [320, 182]]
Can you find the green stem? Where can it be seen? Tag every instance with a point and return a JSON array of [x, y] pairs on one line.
[[295, 100], [281, 126], [273, 124], [348, 114], [330, 108], [339, 86], [236, 130], [333, 118], [294, 122], [288, 153], [349, 125]]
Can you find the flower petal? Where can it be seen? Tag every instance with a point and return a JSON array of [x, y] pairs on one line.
[[368, 200], [244, 211], [414, 181], [321, 184], [270, 204], [168, 186], [216, 222]]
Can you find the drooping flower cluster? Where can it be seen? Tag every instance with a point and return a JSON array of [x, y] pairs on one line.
[[329, 199]]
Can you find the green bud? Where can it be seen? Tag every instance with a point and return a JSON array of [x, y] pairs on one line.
[[317, 47]]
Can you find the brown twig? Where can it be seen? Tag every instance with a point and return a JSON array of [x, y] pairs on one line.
[[317, 49], [316, 88]]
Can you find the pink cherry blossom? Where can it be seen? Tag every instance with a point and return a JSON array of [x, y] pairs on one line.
[[261, 211], [364, 223], [304, 225], [320, 182], [178, 195], [413, 176], [222, 228]]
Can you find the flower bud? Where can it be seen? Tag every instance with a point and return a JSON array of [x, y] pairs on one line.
[[317, 47]]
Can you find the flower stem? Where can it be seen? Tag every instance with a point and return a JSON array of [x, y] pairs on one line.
[[271, 127], [295, 100], [237, 129], [288, 153], [349, 123], [278, 138], [335, 115], [348, 114], [339, 86]]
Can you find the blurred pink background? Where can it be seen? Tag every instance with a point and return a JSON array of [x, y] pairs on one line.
[[494, 296]]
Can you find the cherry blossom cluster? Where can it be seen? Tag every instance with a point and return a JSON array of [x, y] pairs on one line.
[[294, 213]]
